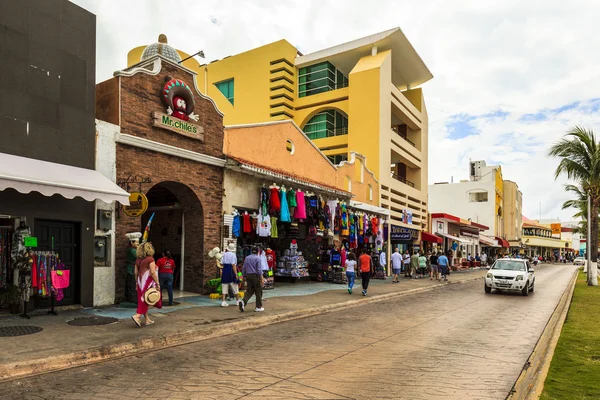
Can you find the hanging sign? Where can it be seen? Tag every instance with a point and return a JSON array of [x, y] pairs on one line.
[[555, 229], [30, 241], [138, 204], [401, 233], [178, 99]]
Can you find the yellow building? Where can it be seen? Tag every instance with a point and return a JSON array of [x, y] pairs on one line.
[[357, 97], [512, 204]]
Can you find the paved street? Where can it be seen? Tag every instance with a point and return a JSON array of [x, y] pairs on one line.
[[455, 342]]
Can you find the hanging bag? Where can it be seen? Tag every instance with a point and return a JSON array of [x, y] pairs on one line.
[[61, 278]]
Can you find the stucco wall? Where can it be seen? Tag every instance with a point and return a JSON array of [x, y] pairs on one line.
[[106, 159], [454, 199], [266, 145]]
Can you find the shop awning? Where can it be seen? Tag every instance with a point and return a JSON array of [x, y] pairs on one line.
[[255, 169], [488, 241], [502, 242], [369, 208], [431, 238], [457, 239], [27, 175]]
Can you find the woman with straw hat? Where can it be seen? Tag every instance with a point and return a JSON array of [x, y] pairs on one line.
[[148, 286]]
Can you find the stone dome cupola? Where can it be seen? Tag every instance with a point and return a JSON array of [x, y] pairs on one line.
[[162, 48]]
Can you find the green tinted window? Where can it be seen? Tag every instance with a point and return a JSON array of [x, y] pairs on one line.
[[327, 123], [320, 78], [226, 87]]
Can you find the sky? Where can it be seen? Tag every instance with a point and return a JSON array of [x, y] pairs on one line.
[[511, 77]]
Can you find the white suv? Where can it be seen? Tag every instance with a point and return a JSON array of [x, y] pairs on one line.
[[512, 274]]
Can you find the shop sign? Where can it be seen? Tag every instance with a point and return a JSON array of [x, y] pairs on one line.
[[30, 241], [138, 204], [555, 229], [401, 233], [178, 99]]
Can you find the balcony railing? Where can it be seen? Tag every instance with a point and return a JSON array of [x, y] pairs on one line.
[[402, 135], [403, 180]]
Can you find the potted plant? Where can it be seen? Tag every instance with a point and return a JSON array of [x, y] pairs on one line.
[[11, 296]]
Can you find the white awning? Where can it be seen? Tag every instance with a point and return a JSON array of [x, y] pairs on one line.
[[27, 175], [488, 241], [457, 239], [369, 208]]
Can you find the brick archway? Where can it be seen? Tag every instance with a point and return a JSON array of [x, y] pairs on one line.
[[178, 226]]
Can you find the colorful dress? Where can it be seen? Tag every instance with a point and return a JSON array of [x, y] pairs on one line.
[[285, 211], [274, 201], [145, 282], [300, 212]]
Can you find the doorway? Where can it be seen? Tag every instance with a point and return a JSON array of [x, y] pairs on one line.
[[64, 239]]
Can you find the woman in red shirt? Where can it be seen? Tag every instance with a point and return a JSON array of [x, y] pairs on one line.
[[166, 266], [366, 269]]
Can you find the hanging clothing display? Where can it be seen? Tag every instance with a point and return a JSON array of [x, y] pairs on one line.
[[300, 212], [5, 259], [263, 228], [247, 225], [291, 199], [275, 203], [264, 200], [274, 233], [285, 211], [344, 217], [236, 228]]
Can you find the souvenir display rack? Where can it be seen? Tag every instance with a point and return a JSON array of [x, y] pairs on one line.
[[292, 265]]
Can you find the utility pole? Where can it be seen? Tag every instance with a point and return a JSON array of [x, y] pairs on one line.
[[589, 240]]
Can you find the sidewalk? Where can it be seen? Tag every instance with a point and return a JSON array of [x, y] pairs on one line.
[[196, 318]]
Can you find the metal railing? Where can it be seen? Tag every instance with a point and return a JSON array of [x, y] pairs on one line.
[[405, 137], [403, 180]]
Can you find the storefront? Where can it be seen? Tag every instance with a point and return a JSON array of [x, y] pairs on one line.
[[460, 238], [168, 150], [47, 219], [404, 238], [283, 193]]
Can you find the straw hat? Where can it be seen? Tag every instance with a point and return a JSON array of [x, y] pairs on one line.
[[152, 296], [231, 247], [134, 236]]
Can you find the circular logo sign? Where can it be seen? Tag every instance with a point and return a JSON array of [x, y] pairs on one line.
[[138, 204]]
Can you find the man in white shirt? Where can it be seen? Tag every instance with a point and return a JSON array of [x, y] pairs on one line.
[[396, 264], [483, 259]]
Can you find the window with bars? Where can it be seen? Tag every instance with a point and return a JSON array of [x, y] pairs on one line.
[[226, 87], [320, 78], [325, 124]]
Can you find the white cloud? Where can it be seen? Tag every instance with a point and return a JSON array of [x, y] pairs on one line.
[[518, 56]]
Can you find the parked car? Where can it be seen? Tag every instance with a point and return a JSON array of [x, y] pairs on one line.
[[512, 274], [579, 261]]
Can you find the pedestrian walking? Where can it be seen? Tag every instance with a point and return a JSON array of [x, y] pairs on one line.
[[433, 260], [422, 265], [383, 260], [252, 273], [148, 284], [443, 265], [396, 265], [406, 264], [130, 285], [414, 264], [229, 275], [366, 270], [166, 267], [484, 258], [350, 271]]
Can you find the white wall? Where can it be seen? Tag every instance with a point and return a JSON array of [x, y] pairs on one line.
[[454, 199], [106, 164]]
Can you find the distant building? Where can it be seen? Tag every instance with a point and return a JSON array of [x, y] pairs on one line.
[[513, 214], [479, 199]]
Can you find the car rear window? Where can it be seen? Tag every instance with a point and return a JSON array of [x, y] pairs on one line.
[[509, 265]]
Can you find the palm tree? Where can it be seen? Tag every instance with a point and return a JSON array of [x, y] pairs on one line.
[[579, 155]]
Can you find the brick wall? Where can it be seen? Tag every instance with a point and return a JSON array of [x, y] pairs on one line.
[[140, 98], [198, 187]]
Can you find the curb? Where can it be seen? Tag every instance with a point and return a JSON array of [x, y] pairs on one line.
[[104, 353], [530, 383]]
